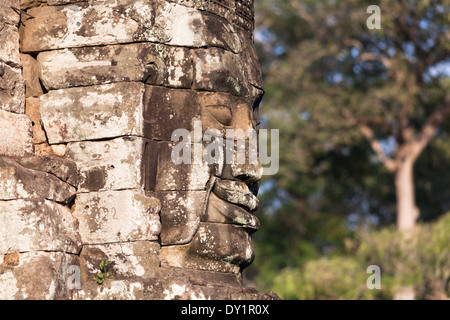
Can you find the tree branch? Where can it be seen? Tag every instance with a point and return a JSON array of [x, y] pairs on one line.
[[429, 129], [367, 132], [375, 144], [378, 57], [405, 130], [378, 122]]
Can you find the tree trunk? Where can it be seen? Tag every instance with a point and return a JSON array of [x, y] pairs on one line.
[[407, 211]]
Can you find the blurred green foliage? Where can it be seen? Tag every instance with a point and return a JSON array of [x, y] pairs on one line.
[[421, 260], [329, 212]]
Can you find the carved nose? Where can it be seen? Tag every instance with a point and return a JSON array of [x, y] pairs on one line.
[[244, 166], [248, 173]]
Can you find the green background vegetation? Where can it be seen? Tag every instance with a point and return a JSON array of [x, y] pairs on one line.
[[330, 212]]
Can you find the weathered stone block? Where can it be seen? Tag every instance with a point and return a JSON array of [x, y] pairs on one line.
[[26, 4], [89, 113], [189, 177], [124, 21], [37, 225], [17, 182], [108, 165], [33, 110], [59, 150], [164, 174], [9, 38], [50, 274], [90, 66], [167, 110], [16, 135], [43, 149], [183, 26], [161, 286], [36, 275], [12, 89], [59, 2], [126, 260], [63, 169], [145, 62], [219, 70], [179, 66], [81, 24], [115, 216], [7, 14], [31, 71], [112, 290], [181, 289], [240, 13], [249, 59], [180, 215]]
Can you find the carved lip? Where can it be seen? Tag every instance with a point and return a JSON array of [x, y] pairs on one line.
[[232, 202], [225, 212], [236, 192]]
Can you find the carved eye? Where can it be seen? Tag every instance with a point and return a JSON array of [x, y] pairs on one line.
[[222, 114]]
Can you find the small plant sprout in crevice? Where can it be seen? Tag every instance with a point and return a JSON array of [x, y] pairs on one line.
[[103, 274]]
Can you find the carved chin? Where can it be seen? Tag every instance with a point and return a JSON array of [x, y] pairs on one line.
[[215, 247], [222, 242]]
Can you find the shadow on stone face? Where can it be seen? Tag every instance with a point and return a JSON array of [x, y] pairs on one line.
[[104, 85]]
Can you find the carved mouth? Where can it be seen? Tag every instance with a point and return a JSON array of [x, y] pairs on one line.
[[231, 202], [237, 193]]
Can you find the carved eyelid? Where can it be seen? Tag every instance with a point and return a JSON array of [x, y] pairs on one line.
[[221, 113]]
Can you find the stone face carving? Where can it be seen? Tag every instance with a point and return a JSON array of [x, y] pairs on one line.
[[206, 209], [88, 105]]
